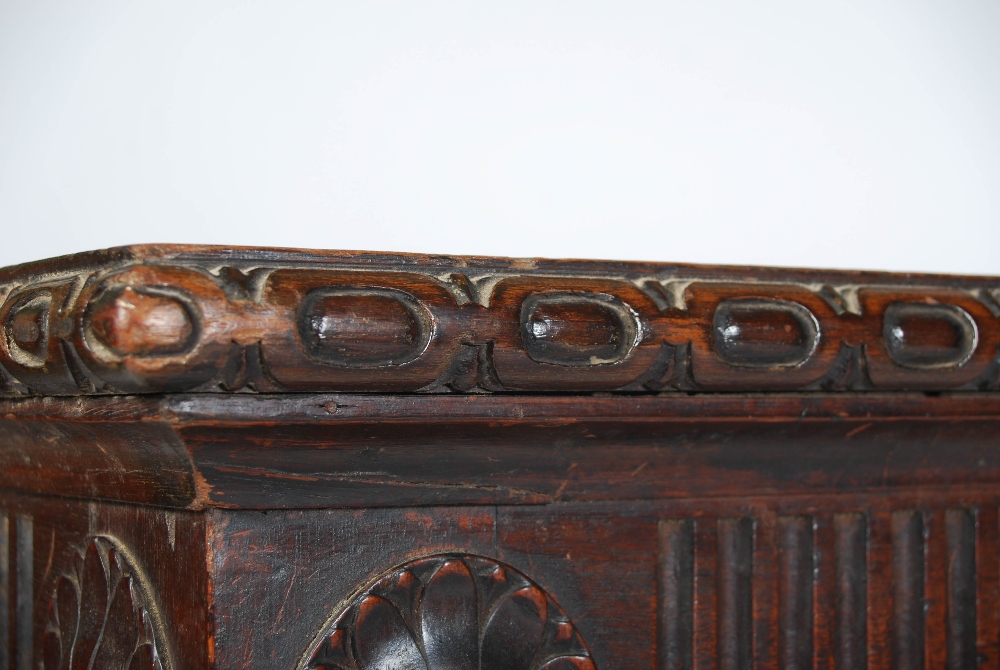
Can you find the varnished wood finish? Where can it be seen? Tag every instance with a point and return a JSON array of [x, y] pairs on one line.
[[451, 611], [171, 319], [236, 459], [103, 581], [320, 451]]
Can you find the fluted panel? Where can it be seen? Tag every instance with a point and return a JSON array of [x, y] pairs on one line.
[[851, 559], [735, 608], [961, 637], [988, 588], [705, 649], [675, 584], [908, 590], [796, 593], [851, 590], [25, 553], [4, 592]]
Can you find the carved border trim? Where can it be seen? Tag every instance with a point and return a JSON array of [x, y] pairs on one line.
[[202, 327]]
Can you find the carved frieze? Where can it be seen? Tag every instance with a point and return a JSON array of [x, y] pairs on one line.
[[192, 323]]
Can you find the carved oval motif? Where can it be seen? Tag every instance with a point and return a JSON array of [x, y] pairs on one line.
[[451, 613], [928, 336], [363, 327], [27, 329], [764, 333], [101, 615], [578, 329], [141, 322]]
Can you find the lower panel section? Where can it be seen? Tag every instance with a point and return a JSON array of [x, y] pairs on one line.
[[99, 585], [877, 582], [908, 580]]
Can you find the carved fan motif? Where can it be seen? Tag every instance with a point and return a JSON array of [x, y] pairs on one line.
[[99, 616], [451, 613]]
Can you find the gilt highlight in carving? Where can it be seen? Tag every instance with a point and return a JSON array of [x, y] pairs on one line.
[[451, 613], [101, 615]]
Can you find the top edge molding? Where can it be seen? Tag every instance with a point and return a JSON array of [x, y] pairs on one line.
[[194, 319]]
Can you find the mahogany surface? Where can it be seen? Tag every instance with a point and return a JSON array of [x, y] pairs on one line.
[[257, 458]]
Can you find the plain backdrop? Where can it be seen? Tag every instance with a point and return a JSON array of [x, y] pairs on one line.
[[830, 134]]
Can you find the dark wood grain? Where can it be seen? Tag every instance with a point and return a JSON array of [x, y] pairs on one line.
[[451, 611], [103, 613], [127, 461], [279, 578], [106, 580], [268, 452], [796, 593], [825, 626], [880, 597], [599, 561], [960, 533], [850, 555], [766, 602], [908, 555], [988, 588], [937, 634], [706, 639], [24, 605], [734, 588], [675, 594], [386, 464], [587, 556], [5, 618], [170, 319], [223, 458]]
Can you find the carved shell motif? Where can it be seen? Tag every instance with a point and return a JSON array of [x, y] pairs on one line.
[[451, 613], [101, 615]]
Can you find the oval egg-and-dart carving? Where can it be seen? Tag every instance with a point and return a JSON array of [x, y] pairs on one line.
[[363, 327], [141, 322], [928, 336], [577, 329], [152, 328], [213, 323], [102, 615], [764, 333], [451, 612], [27, 329]]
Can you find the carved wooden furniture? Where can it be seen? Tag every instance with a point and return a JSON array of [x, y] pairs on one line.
[[242, 458]]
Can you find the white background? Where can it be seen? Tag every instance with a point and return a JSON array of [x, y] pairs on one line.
[[829, 134]]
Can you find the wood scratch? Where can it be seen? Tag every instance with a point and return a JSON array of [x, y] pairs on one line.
[[281, 611], [562, 487], [52, 551], [885, 466], [854, 431]]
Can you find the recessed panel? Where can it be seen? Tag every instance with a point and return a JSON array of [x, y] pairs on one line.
[[929, 336], [363, 327], [762, 333], [577, 328]]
